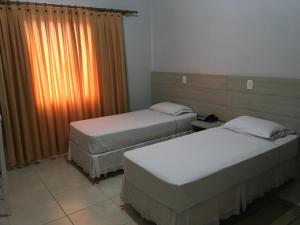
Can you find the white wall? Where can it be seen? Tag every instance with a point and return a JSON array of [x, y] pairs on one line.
[[137, 44], [243, 37], [255, 37]]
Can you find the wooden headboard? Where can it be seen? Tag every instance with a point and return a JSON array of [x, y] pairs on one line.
[[276, 99]]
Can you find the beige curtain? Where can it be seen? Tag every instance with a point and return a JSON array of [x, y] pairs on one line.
[[57, 65]]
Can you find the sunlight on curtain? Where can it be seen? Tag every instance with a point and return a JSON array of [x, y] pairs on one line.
[[58, 65], [56, 75]]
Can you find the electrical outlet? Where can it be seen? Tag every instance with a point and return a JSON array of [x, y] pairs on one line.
[[184, 79], [249, 84]]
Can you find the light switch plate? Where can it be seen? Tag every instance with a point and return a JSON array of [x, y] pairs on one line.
[[184, 79], [249, 84]]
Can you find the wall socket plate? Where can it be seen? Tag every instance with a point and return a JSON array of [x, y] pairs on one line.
[[249, 84], [184, 79]]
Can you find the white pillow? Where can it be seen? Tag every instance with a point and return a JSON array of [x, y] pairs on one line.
[[258, 127], [171, 108]]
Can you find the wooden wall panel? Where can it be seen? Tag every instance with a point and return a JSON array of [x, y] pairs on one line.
[[226, 96], [266, 86], [205, 94]]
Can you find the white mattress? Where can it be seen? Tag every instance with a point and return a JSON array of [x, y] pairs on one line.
[[109, 133], [186, 171]]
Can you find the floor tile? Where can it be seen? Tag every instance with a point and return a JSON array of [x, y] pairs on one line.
[[266, 215], [79, 198], [104, 213], [24, 181], [31, 202], [4, 221], [131, 223], [64, 180], [289, 217], [50, 167], [117, 200], [23, 199], [63, 221], [58, 175], [290, 192], [111, 186], [36, 213]]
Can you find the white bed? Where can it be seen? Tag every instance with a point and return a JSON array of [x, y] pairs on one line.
[[97, 144], [201, 178]]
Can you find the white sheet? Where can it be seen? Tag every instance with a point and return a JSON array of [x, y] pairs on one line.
[[189, 170], [109, 133]]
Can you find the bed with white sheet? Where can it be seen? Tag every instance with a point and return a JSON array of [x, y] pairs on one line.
[[97, 144], [203, 177]]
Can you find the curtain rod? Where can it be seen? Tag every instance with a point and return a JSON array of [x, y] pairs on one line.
[[122, 11]]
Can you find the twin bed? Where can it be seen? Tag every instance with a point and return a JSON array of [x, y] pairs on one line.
[[196, 179], [97, 145], [201, 178]]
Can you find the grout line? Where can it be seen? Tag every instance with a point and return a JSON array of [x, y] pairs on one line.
[[54, 220], [66, 215], [92, 204], [108, 198], [68, 189]]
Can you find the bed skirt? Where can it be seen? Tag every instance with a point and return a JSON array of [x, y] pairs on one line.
[[210, 212], [101, 164]]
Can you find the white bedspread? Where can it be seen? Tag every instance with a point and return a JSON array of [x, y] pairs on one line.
[[189, 170], [105, 134]]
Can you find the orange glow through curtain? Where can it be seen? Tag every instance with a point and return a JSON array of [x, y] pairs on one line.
[[67, 64]]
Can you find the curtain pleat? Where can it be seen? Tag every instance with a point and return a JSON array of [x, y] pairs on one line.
[[19, 119], [57, 65], [110, 37]]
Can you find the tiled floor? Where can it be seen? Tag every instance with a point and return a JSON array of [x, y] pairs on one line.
[[269, 210], [56, 193]]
